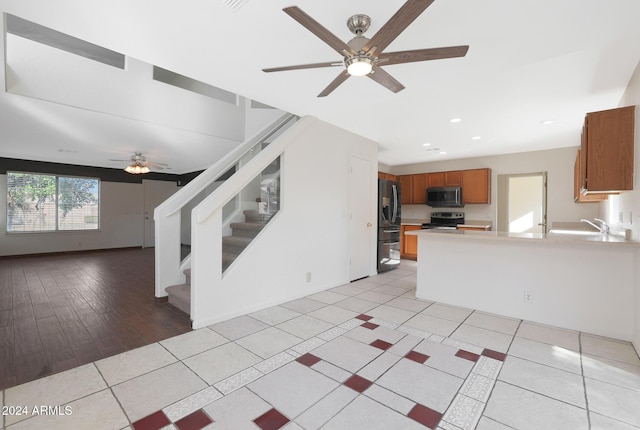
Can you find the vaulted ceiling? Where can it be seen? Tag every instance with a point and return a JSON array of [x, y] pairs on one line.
[[529, 62]]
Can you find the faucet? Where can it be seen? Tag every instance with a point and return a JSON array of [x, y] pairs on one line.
[[603, 228]]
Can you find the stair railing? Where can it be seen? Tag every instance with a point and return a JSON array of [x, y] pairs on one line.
[[169, 215], [208, 295]]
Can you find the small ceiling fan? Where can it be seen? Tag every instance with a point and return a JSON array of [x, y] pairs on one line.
[[138, 164], [363, 56]]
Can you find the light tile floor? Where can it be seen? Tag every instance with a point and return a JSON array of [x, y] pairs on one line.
[[366, 355]]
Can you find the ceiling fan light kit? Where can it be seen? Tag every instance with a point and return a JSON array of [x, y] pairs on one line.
[[136, 169], [363, 56], [139, 165]]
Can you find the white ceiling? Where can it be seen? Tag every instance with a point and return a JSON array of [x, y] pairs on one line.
[[529, 61]]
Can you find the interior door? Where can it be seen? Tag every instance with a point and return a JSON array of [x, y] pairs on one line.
[[525, 198], [362, 212], [155, 192]]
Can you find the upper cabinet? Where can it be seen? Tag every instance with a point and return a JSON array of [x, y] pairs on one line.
[[389, 176], [606, 153], [475, 183], [476, 186], [406, 189], [445, 179], [578, 197]]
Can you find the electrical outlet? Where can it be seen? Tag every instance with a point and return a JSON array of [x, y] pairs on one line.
[[308, 276], [528, 296]]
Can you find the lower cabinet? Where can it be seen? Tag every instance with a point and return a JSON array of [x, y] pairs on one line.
[[409, 244]]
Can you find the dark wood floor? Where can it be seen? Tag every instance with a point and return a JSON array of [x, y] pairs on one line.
[[61, 311]]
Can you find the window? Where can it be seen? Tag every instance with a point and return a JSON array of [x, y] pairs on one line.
[[39, 202]]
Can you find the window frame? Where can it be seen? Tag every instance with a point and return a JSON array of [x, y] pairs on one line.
[[56, 229]]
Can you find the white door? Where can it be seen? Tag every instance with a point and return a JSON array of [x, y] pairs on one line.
[[155, 192], [361, 222], [526, 203]]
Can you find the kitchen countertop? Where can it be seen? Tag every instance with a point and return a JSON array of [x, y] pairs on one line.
[[611, 240], [413, 221]]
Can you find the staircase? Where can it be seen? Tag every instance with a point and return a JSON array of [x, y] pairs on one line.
[[232, 246]]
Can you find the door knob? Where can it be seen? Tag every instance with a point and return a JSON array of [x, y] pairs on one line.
[[369, 224]]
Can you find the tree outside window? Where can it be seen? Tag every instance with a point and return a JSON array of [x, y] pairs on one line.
[[39, 202]]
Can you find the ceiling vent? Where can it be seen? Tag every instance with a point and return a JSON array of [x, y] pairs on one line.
[[234, 4]]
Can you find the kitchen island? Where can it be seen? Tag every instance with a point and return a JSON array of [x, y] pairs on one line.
[[584, 283]]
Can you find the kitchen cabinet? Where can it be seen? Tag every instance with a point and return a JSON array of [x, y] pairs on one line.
[[409, 244], [606, 152], [388, 176], [476, 186], [451, 178], [578, 197], [419, 182], [406, 189], [473, 228]]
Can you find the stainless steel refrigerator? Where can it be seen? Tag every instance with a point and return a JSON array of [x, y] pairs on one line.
[[388, 224]]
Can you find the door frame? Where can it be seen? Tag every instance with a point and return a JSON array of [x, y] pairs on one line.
[[503, 199]]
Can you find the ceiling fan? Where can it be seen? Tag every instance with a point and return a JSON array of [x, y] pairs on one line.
[[138, 164], [363, 56]]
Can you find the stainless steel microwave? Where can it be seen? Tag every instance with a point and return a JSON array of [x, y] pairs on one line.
[[444, 197]]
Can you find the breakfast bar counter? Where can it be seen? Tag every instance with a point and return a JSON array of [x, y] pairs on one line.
[[578, 282]]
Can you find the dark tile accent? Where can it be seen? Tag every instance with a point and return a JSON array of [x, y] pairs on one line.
[[364, 317], [194, 421], [467, 355], [357, 383], [308, 359], [425, 416], [370, 326], [154, 421], [381, 344], [271, 420], [417, 357], [494, 354]]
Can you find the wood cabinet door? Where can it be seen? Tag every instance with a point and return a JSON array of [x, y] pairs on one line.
[[453, 178], [476, 186], [435, 179], [578, 197], [406, 189], [420, 189], [608, 148], [411, 242]]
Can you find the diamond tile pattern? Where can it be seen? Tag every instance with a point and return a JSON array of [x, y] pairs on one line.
[[363, 355]]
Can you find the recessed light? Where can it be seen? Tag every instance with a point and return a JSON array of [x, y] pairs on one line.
[[547, 122], [442, 152], [476, 138], [426, 144], [455, 120]]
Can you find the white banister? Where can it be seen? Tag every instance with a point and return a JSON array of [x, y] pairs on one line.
[[167, 216], [207, 281]]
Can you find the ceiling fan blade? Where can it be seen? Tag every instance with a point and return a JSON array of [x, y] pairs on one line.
[[422, 55], [335, 83], [304, 66], [316, 28], [113, 159], [385, 79], [396, 24], [155, 163]]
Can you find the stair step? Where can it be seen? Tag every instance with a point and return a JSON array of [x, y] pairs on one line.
[[246, 229], [180, 297], [253, 216], [234, 244]]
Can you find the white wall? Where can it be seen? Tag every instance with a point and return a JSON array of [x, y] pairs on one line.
[[121, 224], [627, 205], [309, 234], [557, 162]]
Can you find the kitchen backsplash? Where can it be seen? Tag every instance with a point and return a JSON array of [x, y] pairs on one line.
[[471, 212]]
